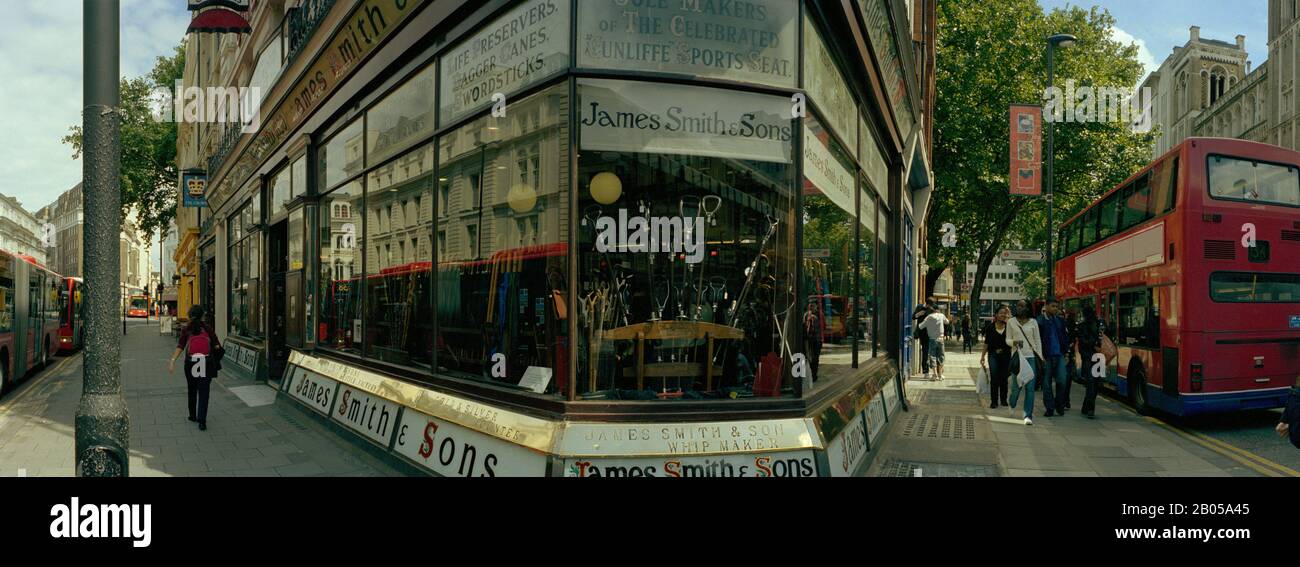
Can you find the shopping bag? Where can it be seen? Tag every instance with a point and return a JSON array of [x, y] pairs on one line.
[[1026, 374], [982, 382], [1108, 348]]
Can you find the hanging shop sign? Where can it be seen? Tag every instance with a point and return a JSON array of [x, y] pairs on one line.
[[880, 31], [370, 24], [1026, 149], [796, 464], [638, 440], [312, 389], [823, 173], [827, 88], [627, 116], [194, 188], [518, 49], [373, 417], [849, 449], [754, 41], [451, 450]]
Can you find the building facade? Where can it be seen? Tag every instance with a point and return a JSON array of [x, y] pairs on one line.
[[20, 230], [1001, 285], [66, 255], [512, 225]]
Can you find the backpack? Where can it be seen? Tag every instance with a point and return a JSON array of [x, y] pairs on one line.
[[199, 343]]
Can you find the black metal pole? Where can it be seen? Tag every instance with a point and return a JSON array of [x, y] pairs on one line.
[[102, 421], [1051, 205]]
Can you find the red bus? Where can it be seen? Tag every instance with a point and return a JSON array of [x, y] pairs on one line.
[[71, 315], [29, 317], [1206, 319], [138, 306]]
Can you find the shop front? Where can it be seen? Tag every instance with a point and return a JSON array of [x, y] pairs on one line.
[[578, 237]]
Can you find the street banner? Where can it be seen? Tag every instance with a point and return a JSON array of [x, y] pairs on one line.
[[1026, 149], [194, 188]]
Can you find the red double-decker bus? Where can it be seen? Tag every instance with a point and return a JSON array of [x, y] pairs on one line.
[[71, 315], [1194, 265]]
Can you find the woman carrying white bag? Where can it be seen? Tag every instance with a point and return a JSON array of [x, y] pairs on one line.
[[1026, 351]]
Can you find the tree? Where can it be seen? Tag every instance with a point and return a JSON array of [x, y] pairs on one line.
[[149, 173], [991, 54]]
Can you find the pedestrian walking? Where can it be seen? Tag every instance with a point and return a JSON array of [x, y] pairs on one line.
[[1089, 342], [198, 343], [1026, 344], [999, 364], [1290, 423], [966, 338], [1055, 342], [918, 316], [1072, 345], [936, 326], [812, 336]]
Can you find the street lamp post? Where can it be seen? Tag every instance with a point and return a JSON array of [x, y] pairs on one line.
[[102, 422], [1062, 40]]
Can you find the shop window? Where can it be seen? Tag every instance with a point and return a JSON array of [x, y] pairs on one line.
[[244, 273], [502, 308], [295, 240], [339, 313], [341, 156], [730, 276], [298, 178], [884, 239], [865, 307], [403, 119], [281, 191], [827, 314]]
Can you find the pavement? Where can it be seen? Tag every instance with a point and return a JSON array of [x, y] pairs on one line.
[[950, 431], [248, 434]]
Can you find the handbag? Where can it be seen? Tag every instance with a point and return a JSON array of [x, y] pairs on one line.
[[1108, 348], [1025, 374], [982, 381]]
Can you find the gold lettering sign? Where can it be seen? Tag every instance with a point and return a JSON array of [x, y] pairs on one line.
[[369, 25]]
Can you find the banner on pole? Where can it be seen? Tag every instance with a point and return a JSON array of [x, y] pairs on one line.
[[1026, 149]]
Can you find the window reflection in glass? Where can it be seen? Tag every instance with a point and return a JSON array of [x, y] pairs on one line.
[[399, 317], [341, 242], [280, 192], [865, 309], [342, 156], [403, 118], [829, 249], [502, 292]]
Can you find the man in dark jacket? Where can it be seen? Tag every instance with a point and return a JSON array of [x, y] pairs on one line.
[[1051, 328], [918, 315]]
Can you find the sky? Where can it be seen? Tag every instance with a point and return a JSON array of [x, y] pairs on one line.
[[41, 99], [1157, 26]]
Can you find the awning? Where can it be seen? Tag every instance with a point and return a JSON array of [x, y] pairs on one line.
[[219, 20], [196, 5]]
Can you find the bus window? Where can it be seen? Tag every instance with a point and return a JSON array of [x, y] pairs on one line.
[[1073, 235], [1137, 203], [1247, 180], [6, 295], [1165, 182], [1139, 318], [1245, 287], [1089, 235], [1106, 225]]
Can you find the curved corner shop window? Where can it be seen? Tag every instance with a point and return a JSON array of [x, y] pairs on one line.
[[686, 211], [502, 244], [827, 315]]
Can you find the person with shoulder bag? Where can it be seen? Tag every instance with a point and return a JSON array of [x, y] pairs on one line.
[[1089, 342], [199, 344], [997, 356], [1027, 349]]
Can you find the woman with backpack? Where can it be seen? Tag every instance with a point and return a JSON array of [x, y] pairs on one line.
[[198, 343]]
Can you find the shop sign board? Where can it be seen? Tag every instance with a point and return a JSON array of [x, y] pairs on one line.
[[753, 42], [451, 450], [373, 417], [518, 49], [849, 449], [793, 464], [892, 400], [875, 415], [637, 440], [827, 87], [877, 15], [627, 116], [194, 189], [312, 389]]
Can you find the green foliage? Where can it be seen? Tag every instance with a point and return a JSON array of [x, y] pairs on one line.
[[149, 173], [992, 54]]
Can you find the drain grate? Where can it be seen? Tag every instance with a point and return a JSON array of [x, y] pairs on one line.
[[930, 426], [896, 468], [951, 398]]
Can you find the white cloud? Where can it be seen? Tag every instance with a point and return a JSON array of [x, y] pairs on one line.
[[1144, 56], [42, 68]]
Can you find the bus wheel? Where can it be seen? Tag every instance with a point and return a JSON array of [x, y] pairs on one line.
[[45, 358], [1138, 391], [4, 373]]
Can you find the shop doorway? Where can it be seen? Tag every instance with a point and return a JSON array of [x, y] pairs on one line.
[[278, 264]]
